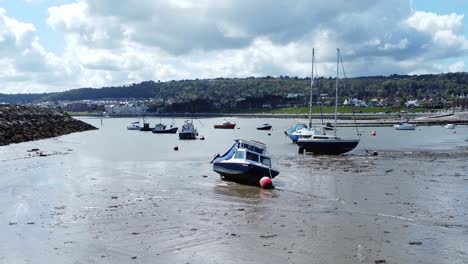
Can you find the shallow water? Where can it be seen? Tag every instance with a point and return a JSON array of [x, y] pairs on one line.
[[118, 196]]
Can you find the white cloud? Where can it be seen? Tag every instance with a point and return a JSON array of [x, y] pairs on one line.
[[132, 41]]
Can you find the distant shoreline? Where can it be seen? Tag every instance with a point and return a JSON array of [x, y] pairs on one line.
[[362, 119]]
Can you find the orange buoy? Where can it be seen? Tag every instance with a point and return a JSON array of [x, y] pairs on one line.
[[374, 133], [266, 183]]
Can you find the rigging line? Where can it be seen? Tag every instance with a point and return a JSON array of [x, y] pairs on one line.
[[345, 84]]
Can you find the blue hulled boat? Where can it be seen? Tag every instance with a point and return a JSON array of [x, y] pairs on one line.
[[246, 162]]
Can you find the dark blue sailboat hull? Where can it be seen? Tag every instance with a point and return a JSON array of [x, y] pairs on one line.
[[327, 147]]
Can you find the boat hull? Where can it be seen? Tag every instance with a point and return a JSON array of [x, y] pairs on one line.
[[166, 131], [243, 173], [405, 127], [327, 147], [187, 135], [230, 126], [264, 128]]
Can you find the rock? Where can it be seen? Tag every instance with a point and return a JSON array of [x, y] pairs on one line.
[[26, 123]]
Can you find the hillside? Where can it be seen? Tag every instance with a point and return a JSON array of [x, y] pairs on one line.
[[224, 90]]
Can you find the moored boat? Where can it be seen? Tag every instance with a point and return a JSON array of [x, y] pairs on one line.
[[450, 126], [161, 129], [225, 125], [328, 126], [245, 162], [291, 132], [146, 127], [264, 127], [322, 143], [326, 144], [134, 126], [404, 126], [188, 131]]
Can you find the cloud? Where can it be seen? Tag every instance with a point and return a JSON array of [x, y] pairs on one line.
[[114, 44]]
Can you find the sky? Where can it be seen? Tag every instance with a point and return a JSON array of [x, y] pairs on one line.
[[57, 45]]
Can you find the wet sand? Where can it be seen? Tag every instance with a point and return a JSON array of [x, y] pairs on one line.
[[66, 207]]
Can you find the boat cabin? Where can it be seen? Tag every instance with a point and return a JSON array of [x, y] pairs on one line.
[[252, 151]]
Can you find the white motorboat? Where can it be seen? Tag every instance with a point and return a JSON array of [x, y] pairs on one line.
[[404, 126], [134, 126], [450, 126]]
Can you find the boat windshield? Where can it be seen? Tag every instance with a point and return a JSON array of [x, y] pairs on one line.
[[252, 156], [265, 160], [239, 155]]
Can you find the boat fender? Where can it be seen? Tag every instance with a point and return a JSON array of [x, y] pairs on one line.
[[176, 148], [266, 183], [374, 133]]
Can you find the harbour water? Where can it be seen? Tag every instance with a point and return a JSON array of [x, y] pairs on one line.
[[118, 196]]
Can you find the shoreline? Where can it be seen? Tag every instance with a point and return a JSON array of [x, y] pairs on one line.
[[362, 119]]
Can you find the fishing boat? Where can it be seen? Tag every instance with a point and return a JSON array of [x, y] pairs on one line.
[[321, 143], [264, 127], [404, 126], [188, 131], [161, 129], [146, 127], [450, 126], [247, 161], [134, 126], [225, 125]]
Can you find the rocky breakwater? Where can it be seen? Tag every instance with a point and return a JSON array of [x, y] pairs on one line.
[[25, 123]]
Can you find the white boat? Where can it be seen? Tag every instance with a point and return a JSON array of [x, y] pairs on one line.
[[322, 143], [134, 126], [188, 131], [404, 126], [450, 126]]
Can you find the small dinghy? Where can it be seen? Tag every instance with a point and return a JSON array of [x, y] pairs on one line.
[[245, 162], [264, 127], [450, 126]]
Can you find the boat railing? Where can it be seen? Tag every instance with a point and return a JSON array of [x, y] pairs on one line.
[[253, 145]]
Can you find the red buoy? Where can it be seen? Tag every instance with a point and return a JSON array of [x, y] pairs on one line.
[[374, 133], [266, 183]]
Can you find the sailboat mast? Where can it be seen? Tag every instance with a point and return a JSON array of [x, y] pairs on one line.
[[311, 86], [336, 90]]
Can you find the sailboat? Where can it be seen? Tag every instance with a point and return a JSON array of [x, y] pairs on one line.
[[322, 143], [301, 130]]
